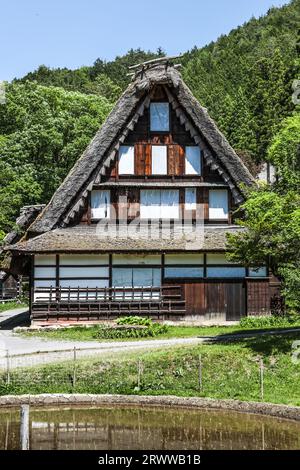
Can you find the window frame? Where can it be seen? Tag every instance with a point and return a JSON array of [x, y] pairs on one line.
[[160, 191], [218, 219], [94, 218], [169, 116], [200, 161], [133, 160], [166, 161]]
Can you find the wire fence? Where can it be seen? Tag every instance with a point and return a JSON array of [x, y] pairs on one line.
[[190, 374]]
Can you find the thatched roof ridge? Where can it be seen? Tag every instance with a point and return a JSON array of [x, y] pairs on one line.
[[113, 132]]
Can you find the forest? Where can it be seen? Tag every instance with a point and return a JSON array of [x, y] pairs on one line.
[[245, 79]]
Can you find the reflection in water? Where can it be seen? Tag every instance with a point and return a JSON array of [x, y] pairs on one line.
[[148, 428]]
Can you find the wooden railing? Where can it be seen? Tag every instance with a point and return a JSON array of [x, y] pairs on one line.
[[89, 303]]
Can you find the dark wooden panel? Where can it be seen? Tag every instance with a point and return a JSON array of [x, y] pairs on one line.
[[215, 294], [148, 169], [258, 297], [195, 298], [139, 155], [235, 295]]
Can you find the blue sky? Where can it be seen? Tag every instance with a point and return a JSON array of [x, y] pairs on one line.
[[71, 33]]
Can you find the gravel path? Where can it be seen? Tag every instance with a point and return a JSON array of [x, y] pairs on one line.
[[33, 351]]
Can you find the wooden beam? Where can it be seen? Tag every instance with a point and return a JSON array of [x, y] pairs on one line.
[[159, 60]]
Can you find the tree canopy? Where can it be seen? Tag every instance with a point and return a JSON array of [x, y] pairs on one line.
[[43, 131]]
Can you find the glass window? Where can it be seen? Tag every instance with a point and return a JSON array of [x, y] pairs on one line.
[[258, 272], [100, 204], [186, 272], [159, 204], [45, 260], [159, 159], [192, 160], [225, 272], [136, 277], [218, 204], [190, 199], [217, 258], [184, 258], [44, 272], [159, 117], [83, 272], [134, 259], [126, 160]]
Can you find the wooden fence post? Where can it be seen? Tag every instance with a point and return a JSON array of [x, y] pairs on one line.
[[24, 427], [139, 371], [261, 376], [7, 367], [74, 369], [200, 373]]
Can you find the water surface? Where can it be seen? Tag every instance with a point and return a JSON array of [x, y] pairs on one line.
[[145, 428]]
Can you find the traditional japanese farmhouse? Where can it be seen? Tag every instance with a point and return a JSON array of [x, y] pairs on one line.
[[139, 224]]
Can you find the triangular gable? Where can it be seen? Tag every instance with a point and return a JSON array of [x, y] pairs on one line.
[[103, 149]]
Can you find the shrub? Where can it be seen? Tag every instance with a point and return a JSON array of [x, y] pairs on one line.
[[134, 320], [270, 321], [131, 327]]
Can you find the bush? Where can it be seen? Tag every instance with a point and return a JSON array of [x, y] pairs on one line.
[[134, 320], [270, 321], [132, 327]]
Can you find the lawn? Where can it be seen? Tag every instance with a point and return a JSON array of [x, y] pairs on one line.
[[228, 370], [92, 333], [11, 305]]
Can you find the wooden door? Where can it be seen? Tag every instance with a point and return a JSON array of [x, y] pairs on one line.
[[235, 294]]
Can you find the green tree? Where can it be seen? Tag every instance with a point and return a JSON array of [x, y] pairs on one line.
[[43, 131], [104, 86], [284, 153]]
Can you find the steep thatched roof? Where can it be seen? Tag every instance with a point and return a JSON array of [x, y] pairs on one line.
[[27, 215], [121, 120], [84, 238]]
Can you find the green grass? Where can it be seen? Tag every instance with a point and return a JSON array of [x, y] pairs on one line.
[[11, 305], [229, 370], [92, 333]]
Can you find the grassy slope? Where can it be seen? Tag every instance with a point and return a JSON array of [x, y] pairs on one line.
[[229, 371]]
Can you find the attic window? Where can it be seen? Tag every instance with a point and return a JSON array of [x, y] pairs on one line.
[[159, 159], [218, 204], [190, 199], [159, 204], [192, 160], [126, 160], [159, 117], [100, 204]]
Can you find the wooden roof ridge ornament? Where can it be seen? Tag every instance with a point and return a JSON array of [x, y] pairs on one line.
[[102, 150], [139, 69]]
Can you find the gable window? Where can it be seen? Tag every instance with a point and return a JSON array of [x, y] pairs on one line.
[[159, 204], [192, 160], [159, 117], [159, 160], [218, 204], [100, 204], [126, 160], [190, 199]]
